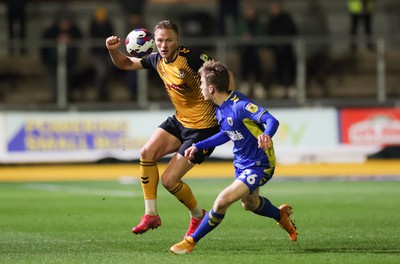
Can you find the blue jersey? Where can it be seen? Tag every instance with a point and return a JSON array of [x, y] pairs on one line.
[[242, 121]]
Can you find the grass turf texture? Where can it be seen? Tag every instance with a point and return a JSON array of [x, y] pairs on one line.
[[90, 222]]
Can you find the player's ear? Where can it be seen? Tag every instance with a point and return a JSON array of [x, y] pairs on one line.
[[211, 89]]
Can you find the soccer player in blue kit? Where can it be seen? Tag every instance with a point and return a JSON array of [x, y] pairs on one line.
[[251, 128]]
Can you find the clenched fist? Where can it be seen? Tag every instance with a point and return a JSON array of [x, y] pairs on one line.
[[113, 42]]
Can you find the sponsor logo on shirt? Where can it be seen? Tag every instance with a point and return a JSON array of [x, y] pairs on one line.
[[235, 135], [181, 88]]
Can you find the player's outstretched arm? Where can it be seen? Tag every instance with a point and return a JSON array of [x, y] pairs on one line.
[[119, 59]]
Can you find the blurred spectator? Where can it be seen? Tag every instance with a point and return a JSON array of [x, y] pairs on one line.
[[198, 23], [133, 12], [248, 27], [101, 28], [228, 13], [63, 30], [281, 24], [16, 17], [319, 61], [361, 11]]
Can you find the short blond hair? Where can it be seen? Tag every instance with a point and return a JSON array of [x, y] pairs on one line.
[[215, 73], [167, 24]]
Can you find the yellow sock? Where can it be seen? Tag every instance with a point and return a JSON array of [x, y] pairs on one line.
[[184, 194], [149, 178]]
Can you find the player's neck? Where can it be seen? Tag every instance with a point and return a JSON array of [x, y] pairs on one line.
[[173, 57], [220, 98]]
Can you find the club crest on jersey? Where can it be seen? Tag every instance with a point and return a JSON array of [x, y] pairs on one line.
[[252, 108], [230, 121], [182, 74]]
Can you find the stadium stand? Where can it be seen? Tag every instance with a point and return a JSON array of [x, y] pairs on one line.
[[347, 75]]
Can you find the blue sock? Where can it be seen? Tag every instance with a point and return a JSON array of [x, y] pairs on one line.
[[266, 208], [209, 222]]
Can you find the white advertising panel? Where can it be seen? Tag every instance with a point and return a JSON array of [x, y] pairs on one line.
[[312, 136], [304, 135], [55, 137], [306, 127]]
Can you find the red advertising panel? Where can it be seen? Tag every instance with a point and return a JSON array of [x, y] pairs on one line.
[[370, 126]]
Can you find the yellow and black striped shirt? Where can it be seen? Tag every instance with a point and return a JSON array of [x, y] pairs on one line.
[[182, 82]]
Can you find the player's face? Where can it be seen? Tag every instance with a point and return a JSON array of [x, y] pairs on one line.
[[205, 91], [167, 43]]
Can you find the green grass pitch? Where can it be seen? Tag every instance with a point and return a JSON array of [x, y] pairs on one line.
[[90, 222]]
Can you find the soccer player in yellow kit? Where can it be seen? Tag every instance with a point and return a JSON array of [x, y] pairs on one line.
[[193, 121]]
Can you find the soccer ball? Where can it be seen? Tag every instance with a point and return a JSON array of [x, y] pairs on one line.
[[139, 43]]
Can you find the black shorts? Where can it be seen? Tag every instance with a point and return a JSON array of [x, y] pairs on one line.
[[189, 136]]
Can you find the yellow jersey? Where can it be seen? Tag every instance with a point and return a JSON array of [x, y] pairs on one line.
[[182, 82]]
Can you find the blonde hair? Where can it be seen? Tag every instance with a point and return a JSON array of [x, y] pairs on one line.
[[167, 24], [215, 73]]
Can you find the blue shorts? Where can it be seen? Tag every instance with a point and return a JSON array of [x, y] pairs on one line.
[[254, 177]]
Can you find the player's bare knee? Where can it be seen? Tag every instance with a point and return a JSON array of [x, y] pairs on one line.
[[166, 183], [221, 205], [143, 153], [169, 183], [146, 154]]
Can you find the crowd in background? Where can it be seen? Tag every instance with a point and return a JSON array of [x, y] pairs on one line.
[[243, 19]]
